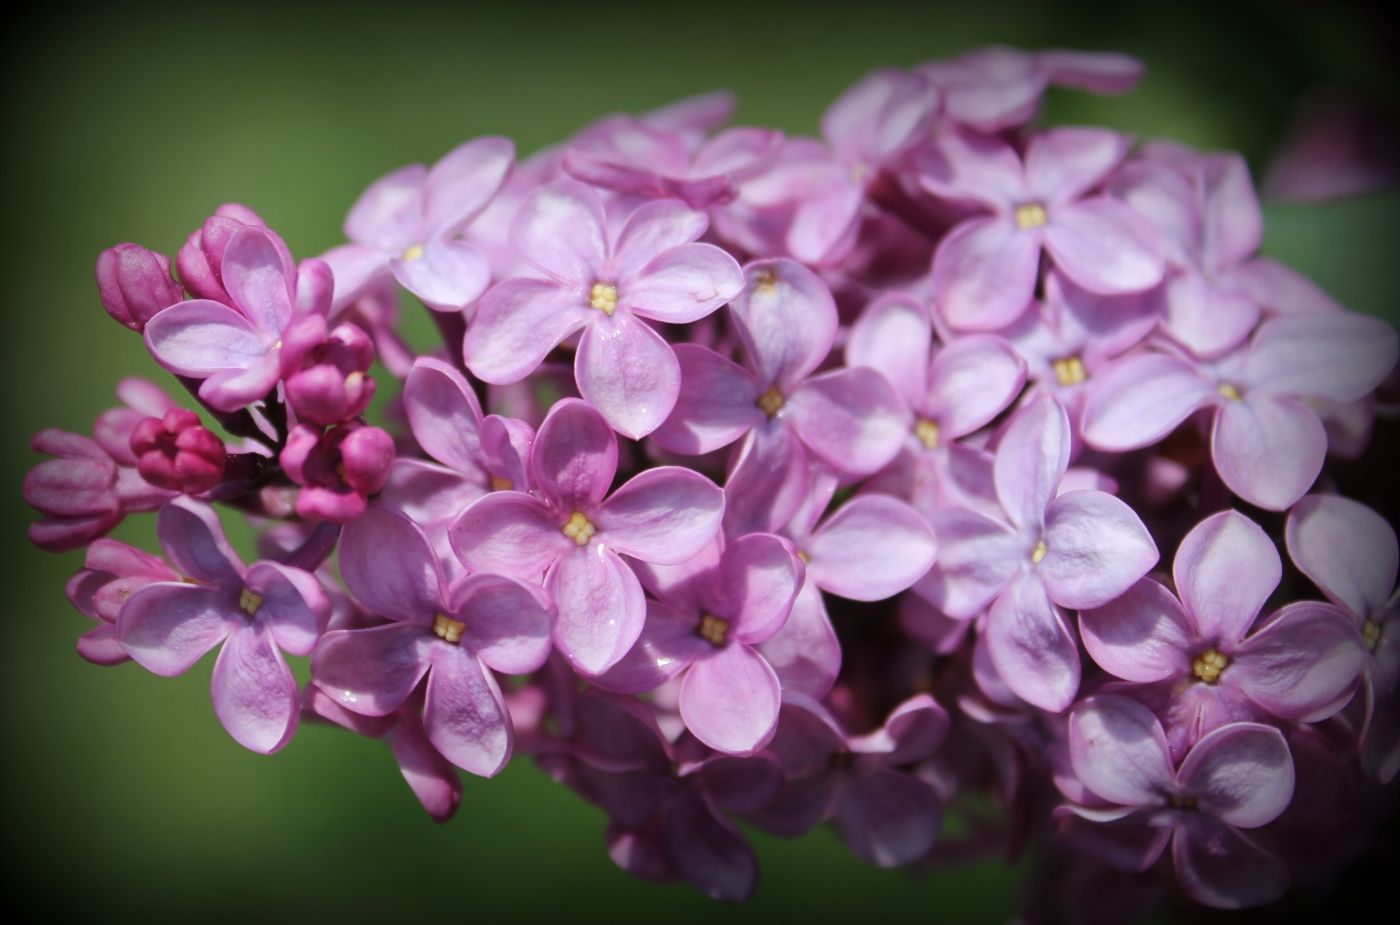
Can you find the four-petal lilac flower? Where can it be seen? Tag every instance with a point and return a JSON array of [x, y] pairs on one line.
[[570, 533]]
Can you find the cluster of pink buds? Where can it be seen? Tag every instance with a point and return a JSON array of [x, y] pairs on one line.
[[947, 461]]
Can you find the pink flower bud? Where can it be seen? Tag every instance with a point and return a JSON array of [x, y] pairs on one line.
[[337, 470], [175, 452], [134, 283], [202, 255], [326, 373]]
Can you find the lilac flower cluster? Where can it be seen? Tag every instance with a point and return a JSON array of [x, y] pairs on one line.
[[983, 372]]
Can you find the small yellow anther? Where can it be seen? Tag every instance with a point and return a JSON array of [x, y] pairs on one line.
[[1039, 552], [1208, 665], [765, 282], [448, 629], [1030, 215], [713, 630], [353, 380], [1371, 635], [413, 252], [603, 296], [928, 433], [771, 401], [1182, 802], [1070, 371], [501, 484], [579, 529], [249, 601], [806, 559], [1229, 391]]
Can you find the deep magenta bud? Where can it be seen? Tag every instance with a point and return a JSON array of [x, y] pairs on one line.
[[337, 470], [326, 373], [177, 453], [135, 283]]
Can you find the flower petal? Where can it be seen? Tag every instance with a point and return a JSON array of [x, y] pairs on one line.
[[193, 538], [628, 372], [1225, 569], [684, 284], [373, 671], [255, 695], [1219, 867], [1062, 164], [601, 607], [446, 275], [768, 481], [1337, 356], [1097, 547], [200, 337], [1268, 449], [872, 548], [887, 817], [758, 580], [851, 418], [653, 229], [716, 404], [1104, 246], [1031, 459], [1347, 549], [708, 851], [508, 623], [389, 565], [386, 215], [517, 323], [465, 716], [984, 271], [1142, 636], [970, 382], [1118, 751], [1302, 665], [431, 777], [664, 515], [167, 627], [294, 606], [977, 558], [259, 280], [561, 230], [509, 532], [462, 183], [444, 414], [1031, 646], [786, 318], [894, 336], [1139, 400], [730, 700], [574, 457], [805, 654], [668, 643], [1241, 773]]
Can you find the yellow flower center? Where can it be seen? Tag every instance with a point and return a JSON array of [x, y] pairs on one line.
[[413, 252], [806, 559], [1030, 215], [765, 282], [771, 401], [579, 529], [448, 629], [713, 630], [1039, 552], [501, 484], [927, 432], [1208, 665], [1229, 391], [1182, 802], [1371, 635], [1070, 371], [249, 601], [603, 297]]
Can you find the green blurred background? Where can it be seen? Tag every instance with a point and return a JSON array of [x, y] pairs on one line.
[[122, 794]]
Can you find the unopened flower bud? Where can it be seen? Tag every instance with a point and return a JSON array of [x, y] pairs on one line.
[[177, 453], [337, 470], [325, 374], [134, 283]]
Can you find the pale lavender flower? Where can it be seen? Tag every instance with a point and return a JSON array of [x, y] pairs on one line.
[[604, 283], [407, 225], [112, 571], [452, 635], [1080, 549], [1207, 658], [571, 531], [1240, 776], [1349, 552], [200, 260], [1267, 445], [985, 269], [253, 613]]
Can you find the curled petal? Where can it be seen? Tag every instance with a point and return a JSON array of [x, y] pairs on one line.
[[1241, 773], [431, 777], [259, 280], [201, 337]]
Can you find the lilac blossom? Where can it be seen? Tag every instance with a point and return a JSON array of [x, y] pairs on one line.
[[452, 635], [709, 615], [200, 260], [1206, 659], [848, 418], [134, 284], [985, 270], [887, 816], [234, 348], [1267, 444], [112, 571], [1080, 549], [327, 371], [337, 470], [252, 613], [602, 282], [176, 452], [1349, 552], [1238, 777], [946, 394], [570, 532], [407, 225]]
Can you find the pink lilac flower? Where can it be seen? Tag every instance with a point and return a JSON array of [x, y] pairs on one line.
[[667, 804], [1238, 777], [1198, 657], [1349, 552], [985, 270], [252, 613], [996, 87], [637, 157], [235, 347], [177, 453], [848, 418], [452, 635], [570, 532], [1044, 553], [407, 224], [112, 571], [201, 258], [709, 615], [1267, 445], [604, 283], [946, 395], [337, 470], [135, 283], [887, 816], [326, 372]]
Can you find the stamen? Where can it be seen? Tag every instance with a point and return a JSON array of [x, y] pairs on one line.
[[447, 629], [353, 380], [579, 529], [771, 401], [501, 484], [928, 433], [1229, 391], [1039, 552], [1371, 635], [806, 559], [1182, 802], [1030, 215], [765, 282], [1070, 371], [1208, 665], [249, 601], [713, 630], [603, 297], [413, 252]]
